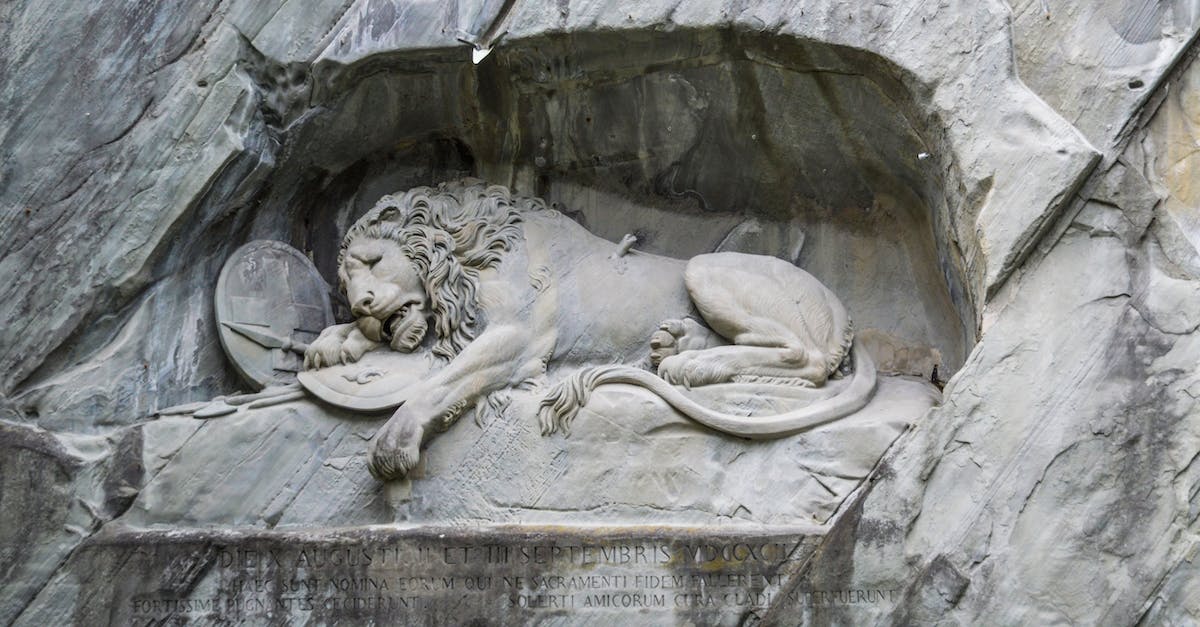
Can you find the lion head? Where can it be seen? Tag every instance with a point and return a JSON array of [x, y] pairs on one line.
[[417, 255]]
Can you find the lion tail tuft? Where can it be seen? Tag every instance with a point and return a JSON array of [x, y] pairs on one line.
[[566, 398]]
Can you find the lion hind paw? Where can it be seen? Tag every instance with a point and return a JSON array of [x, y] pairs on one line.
[[677, 336], [695, 369]]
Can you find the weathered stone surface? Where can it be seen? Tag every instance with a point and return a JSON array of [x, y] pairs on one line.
[[304, 464], [431, 576], [1057, 483], [237, 78], [1062, 469], [1097, 63], [55, 491]]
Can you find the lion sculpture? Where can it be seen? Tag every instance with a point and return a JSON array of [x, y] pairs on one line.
[[509, 286]]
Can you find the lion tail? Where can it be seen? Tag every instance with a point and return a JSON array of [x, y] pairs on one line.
[[565, 400]]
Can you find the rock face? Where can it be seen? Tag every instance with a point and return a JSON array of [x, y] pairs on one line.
[[303, 464], [1037, 241]]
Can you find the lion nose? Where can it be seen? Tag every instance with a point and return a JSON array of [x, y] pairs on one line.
[[362, 306]]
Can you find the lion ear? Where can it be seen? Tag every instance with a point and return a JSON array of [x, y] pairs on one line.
[[389, 214]]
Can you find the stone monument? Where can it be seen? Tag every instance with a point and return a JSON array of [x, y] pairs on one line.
[[503, 288], [521, 312], [468, 299]]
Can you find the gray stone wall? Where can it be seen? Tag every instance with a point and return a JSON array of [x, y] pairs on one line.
[[1048, 240]]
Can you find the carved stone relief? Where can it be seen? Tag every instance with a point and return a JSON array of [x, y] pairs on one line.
[[642, 400], [466, 294], [498, 288]]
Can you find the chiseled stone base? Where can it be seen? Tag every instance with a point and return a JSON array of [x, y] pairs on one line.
[[488, 575], [270, 517], [629, 459]]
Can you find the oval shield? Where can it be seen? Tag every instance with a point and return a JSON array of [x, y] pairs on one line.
[[271, 302]]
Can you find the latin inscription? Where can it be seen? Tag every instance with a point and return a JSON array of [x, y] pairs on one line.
[[277, 578]]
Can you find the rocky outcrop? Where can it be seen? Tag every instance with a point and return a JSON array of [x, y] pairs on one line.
[[1060, 480], [1036, 238]]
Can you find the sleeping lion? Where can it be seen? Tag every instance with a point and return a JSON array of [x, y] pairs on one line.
[[505, 286]]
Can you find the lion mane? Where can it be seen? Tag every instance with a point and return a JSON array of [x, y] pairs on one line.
[[450, 233]]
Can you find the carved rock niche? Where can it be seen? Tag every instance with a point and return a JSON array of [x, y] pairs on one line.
[[843, 160], [888, 151], [692, 141]]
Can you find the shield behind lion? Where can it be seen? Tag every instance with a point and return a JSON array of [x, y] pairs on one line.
[[271, 302]]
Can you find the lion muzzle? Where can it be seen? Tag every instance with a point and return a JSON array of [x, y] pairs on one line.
[[405, 329]]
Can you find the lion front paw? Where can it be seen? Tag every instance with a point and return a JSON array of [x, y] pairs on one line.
[[324, 352], [336, 346], [395, 450], [355, 346]]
